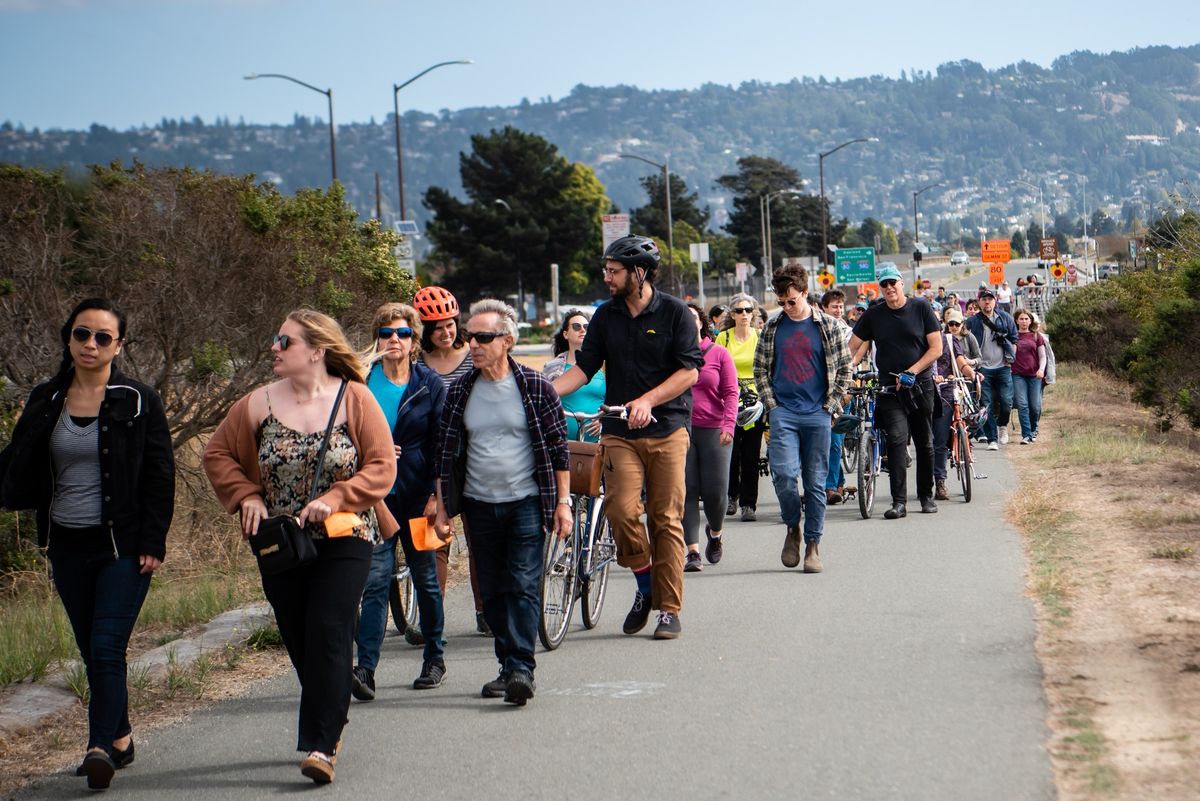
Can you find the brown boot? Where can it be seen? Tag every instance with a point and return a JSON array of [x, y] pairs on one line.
[[939, 493], [791, 547], [812, 559], [832, 497]]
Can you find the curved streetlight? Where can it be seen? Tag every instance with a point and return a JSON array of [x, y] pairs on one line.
[[824, 211], [520, 287], [670, 224], [328, 95], [1041, 206], [396, 87], [916, 230]]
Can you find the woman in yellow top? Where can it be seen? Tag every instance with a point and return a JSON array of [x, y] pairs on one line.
[[741, 341]]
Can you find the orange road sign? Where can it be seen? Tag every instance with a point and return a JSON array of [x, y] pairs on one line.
[[996, 250], [825, 279], [996, 273], [1057, 270]]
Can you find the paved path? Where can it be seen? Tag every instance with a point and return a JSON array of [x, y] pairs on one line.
[[905, 671]]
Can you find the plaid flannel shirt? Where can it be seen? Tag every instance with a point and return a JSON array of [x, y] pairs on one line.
[[838, 371], [547, 431]]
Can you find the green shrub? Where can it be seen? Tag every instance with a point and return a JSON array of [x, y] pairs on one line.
[[1093, 325], [1163, 366]]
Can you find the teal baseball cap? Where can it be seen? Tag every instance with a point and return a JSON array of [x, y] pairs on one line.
[[887, 271]]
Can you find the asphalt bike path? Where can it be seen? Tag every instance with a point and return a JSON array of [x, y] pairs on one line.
[[905, 671]]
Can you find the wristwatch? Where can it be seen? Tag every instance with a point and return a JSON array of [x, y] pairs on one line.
[[564, 502]]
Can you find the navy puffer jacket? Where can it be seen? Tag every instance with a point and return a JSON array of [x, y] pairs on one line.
[[416, 433]]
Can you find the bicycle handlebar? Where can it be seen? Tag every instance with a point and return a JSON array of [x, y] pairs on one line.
[[620, 412]]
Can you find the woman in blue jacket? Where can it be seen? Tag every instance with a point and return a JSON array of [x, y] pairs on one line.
[[411, 396], [92, 454]]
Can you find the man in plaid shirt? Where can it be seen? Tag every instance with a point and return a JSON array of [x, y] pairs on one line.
[[802, 371]]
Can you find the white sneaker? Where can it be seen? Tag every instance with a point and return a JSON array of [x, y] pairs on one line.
[[1026, 441], [981, 439], [993, 446], [1004, 436]]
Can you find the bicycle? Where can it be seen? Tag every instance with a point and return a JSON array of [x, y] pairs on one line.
[[401, 600], [576, 568], [866, 442], [965, 415]]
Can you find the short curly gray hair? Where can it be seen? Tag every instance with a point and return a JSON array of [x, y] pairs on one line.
[[506, 313]]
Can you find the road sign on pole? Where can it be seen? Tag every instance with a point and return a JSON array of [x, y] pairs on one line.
[[615, 227], [996, 273], [699, 254], [1048, 250], [996, 250], [855, 265]]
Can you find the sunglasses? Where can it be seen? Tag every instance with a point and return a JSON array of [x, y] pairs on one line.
[[283, 341], [745, 310], [81, 335], [579, 326], [792, 302], [885, 283], [483, 337], [388, 333], [953, 325]]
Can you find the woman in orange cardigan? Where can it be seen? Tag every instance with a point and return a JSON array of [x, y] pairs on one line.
[[260, 463]]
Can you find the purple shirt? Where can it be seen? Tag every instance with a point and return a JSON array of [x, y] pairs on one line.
[[715, 393]]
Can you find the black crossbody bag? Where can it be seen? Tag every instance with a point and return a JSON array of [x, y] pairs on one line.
[[281, 544]]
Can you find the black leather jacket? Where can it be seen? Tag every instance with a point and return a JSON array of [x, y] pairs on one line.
[[137, 464]]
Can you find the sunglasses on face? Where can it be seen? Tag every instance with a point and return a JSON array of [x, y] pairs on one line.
[[888, 282], [483, 337], [745, 310], [579, 326], [953, 325], [791, 302], [283, 341], [387, 333], [81, 335]]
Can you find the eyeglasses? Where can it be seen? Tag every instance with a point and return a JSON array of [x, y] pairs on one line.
[[609, 272], [283, 341], [81, 335], [579, 326], [885, 283], [388, 333], [483, 337], [743, 310]]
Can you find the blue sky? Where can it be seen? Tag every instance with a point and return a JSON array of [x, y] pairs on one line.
[[122, 63]]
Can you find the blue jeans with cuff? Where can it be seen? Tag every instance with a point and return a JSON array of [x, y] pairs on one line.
[[799, 451]]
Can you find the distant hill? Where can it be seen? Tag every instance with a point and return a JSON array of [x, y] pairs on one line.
[[1129, 122]]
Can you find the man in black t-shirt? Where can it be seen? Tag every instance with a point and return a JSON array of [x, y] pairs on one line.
[[907, 341]]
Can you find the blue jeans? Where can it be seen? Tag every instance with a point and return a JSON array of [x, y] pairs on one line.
[[799, 449], [102, 595], [1028, 390], [372, 621], [997, 396], [835, 478], [507, 540]]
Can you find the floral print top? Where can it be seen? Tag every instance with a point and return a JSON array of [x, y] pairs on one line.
[[285, 459]]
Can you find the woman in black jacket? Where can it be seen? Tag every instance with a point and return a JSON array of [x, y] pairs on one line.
[[92, 454], [411, 396]]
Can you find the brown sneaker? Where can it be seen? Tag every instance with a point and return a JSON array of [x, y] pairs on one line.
[[791, 547], [832, 497], [812, 560], [939, 493]]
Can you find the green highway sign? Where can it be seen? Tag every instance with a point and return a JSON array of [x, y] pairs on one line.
[[855, 265]]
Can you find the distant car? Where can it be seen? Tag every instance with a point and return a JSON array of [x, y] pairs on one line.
[[1108, 270], [959, 257]]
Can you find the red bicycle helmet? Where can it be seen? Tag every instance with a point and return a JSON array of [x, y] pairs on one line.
[[434, 303]]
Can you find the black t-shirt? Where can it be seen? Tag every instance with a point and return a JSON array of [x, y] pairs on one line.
[[899, 335], [639, 353]]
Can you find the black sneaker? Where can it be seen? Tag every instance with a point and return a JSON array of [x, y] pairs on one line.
[[413, 636], [638, 615], [431, 676], [363, 684], [714, 550], [928, 506], [495, 688], [519, 688], [481, 625], [668, 626], [692, 563]]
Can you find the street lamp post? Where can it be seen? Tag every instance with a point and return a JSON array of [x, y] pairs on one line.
[[765, 205], [396, 87], [824, 211], [670, 223], [1041, 206], [520, 285], [916, 230], [328, 95]]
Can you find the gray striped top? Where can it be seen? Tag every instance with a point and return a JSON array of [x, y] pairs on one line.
[[75, 451]]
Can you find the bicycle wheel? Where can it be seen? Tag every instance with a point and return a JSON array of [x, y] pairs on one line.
[[401, 601], [964, 461], [595, 584], [868, 471], [849, 455], [558, 589]]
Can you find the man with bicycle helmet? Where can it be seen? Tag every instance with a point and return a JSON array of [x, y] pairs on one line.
[[647, 339]]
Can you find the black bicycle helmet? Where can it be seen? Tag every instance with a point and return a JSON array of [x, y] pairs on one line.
[[634, 251]]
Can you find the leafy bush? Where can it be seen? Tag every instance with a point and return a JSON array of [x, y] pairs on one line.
[[1092, 325], [1163, 365]]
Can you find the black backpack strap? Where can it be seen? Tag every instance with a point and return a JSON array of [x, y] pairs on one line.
[[337, 402]]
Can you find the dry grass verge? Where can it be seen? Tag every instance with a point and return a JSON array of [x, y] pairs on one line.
[[1109, 506]]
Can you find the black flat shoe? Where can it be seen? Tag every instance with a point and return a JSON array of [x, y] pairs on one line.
[[121, 759], [99, 769], [897, 511]]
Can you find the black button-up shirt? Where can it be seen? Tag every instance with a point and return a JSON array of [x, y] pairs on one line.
[[640, 353]]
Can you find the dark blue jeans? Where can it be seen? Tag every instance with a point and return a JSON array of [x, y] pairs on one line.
[[941, 440], [798, 451], [997, 396], [507, 540], [102, 595], [372, 621]]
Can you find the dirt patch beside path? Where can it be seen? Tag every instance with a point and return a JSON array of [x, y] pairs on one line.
[[1111, 513]]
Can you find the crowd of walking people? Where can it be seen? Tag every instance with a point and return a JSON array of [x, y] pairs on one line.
[[349, 453]]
